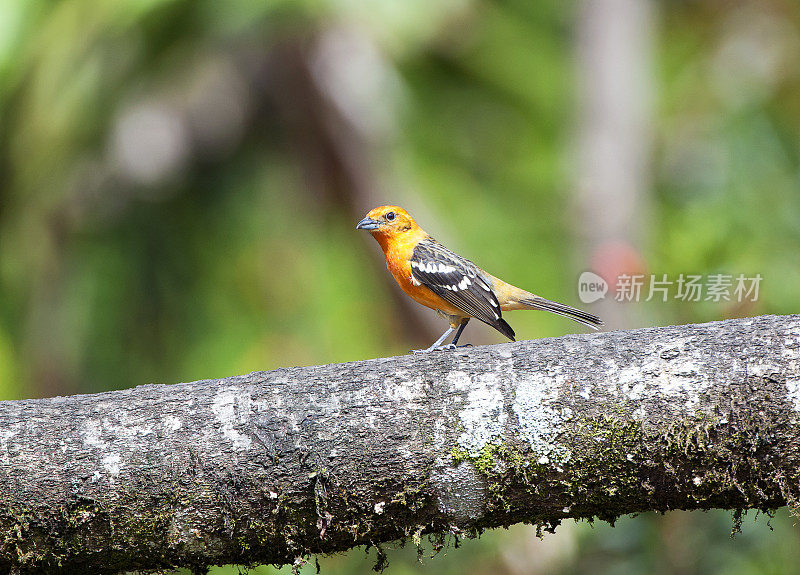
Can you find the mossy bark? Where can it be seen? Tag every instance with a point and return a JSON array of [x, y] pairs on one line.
[[274, 466]]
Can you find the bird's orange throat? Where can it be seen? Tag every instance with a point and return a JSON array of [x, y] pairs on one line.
[[383, 239], [393, 244]]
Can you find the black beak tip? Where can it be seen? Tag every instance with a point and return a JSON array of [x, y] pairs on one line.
[[367, 224]]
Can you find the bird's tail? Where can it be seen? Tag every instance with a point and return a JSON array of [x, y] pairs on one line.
[[572, 313]]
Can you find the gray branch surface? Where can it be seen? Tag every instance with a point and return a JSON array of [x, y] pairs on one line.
[[272, 466]]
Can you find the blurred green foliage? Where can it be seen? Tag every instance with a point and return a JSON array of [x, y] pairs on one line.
[[694, 543], [166, 216]]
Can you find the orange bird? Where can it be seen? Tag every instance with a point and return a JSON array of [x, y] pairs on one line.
[[453, 286]]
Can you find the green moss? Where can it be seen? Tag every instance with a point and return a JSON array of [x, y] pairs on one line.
[[599, 477], [501, 465], [612, 468], [459, 455]]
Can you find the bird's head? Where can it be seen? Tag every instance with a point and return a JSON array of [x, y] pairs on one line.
[[388, 222]]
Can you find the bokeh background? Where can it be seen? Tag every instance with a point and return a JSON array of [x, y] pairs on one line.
[[180, 180]]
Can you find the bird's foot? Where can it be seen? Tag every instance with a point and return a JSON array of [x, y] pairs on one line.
[[446, 347]]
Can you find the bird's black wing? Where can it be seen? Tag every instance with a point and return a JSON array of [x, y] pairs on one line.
[[459, 282]]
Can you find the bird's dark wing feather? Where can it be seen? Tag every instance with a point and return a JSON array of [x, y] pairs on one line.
[[459, 282]]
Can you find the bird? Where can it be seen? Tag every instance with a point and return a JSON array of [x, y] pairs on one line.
[[453, 286]]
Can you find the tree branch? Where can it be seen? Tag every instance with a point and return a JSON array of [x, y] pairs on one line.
[[271, 466]]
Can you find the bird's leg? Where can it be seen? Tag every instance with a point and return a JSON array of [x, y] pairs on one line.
[[458, 333], [452, 344], [436, 344]]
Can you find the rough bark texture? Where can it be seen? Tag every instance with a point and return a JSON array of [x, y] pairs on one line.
[[271, 466]]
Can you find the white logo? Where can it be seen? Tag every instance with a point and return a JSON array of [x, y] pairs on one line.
[[591, 287]]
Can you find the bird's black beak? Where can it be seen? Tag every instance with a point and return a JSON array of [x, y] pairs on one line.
[[368, 224]]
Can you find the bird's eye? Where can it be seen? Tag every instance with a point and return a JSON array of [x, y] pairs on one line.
[[389, 216]]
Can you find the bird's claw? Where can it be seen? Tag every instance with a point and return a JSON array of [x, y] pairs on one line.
[[446, 347], [437, 348]]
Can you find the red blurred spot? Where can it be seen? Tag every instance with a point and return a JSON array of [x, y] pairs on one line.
[[615, 258]]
